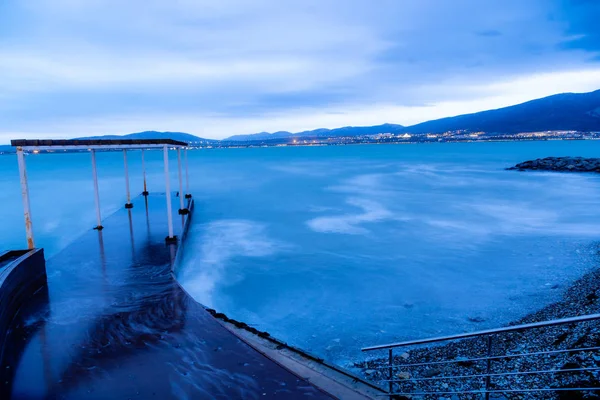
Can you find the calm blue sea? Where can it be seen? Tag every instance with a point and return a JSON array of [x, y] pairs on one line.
[[334, 248]]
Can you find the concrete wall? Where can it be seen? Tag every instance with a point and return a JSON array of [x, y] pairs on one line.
[[22, 283]]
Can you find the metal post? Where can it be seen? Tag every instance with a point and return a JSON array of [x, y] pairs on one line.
[[488, 367], [182, 209], [145, 192], [188, 195], [25, 195], [391, 372], [96, 192], [128, 204], [170, 238]]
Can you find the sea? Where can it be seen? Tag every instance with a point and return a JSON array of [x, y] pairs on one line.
[[333, 248]]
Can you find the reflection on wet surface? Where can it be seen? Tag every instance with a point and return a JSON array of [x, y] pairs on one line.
[[117, 325]]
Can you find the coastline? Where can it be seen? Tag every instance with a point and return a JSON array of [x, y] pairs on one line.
[[258, 144]]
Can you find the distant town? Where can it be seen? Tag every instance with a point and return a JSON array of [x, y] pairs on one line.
[[384, 138], [400, 138]]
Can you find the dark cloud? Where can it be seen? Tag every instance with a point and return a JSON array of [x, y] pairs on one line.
[[583, 22]]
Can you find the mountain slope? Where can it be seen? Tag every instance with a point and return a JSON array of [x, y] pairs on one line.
[[345, 131], [567, 111], [181, 136], [259, 136]]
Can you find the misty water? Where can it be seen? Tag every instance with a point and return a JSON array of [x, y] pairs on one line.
[[335, 248]]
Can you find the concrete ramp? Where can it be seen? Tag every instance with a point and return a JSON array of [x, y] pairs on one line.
[[118, 326]]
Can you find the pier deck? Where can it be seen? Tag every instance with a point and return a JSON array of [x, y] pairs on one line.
[[116, 324]]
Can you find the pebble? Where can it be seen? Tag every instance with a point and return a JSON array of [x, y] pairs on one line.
[[403, 375]]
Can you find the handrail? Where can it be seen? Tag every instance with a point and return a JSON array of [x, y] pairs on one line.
[[493, 358], [515, 328], [518, 373], [548, 389]]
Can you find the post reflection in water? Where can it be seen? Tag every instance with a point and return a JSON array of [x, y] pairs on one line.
[[102, 257], [131, 235]]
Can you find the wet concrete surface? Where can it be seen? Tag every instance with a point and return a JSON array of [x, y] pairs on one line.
[[114, 324]]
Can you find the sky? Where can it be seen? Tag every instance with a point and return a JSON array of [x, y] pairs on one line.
[[72, 68]]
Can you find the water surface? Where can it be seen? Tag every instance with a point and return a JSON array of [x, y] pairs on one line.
[[334, 248]]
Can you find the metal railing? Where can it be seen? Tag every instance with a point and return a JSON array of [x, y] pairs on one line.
[[477, 374]]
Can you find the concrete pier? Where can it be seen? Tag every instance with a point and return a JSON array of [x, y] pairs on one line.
[[117, 325]]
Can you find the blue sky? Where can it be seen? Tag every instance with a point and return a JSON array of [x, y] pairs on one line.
[[217, 68]]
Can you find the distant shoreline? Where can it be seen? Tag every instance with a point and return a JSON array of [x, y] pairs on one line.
[[230, 145]]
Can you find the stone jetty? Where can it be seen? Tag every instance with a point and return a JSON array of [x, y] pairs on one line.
[[560, 164]]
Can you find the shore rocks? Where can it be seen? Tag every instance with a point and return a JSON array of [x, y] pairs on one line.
[[560, 164]]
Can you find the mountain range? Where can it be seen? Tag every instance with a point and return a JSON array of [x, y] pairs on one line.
[[560, 112], [181, 136], [345, 131]]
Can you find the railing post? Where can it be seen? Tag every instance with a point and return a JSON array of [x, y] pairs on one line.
[[145, 192], [391, 370], [171, 238], [96, 192], [128, 204], [25, 195], [488, 368], [182, 209], [188, 195]]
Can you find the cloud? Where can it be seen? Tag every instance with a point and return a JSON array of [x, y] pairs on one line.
[[227, 67]]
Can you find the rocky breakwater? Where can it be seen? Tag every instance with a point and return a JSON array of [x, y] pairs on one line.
[[560, 164]]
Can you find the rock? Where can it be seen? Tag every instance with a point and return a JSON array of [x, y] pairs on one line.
[[404, 356], [370, 372], [568, 164], [476, 319], [403, 375], [464, 362], [570, 365], [429, 373], [591, 297]]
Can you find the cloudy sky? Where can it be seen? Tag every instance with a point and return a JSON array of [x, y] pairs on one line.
[[221, 67]]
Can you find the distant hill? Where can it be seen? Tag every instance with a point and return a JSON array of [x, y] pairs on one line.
[[181, 136], [345, 131], [567, 111], [259, 136]]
